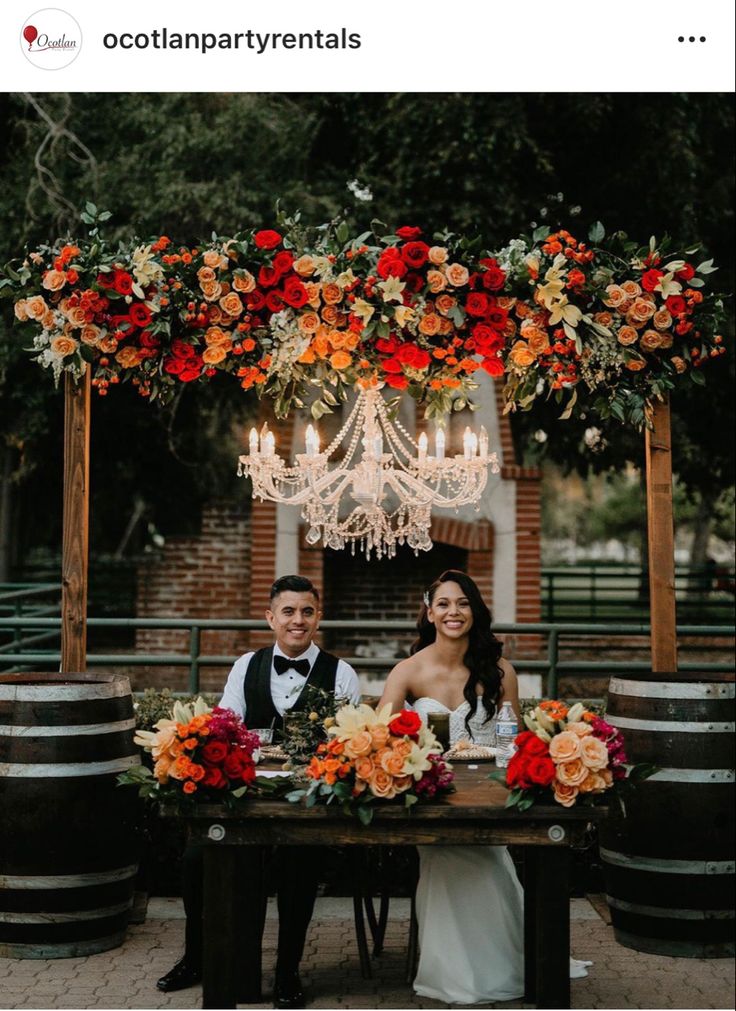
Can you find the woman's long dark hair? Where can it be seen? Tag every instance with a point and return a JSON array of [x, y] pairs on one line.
[[484, 649]]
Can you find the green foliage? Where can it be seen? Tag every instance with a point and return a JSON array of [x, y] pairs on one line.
[[156, 704]]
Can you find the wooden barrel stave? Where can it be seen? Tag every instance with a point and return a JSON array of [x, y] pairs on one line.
[[72, 894], [670, 863]]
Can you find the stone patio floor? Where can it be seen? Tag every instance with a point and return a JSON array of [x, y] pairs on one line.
[[126, 977]]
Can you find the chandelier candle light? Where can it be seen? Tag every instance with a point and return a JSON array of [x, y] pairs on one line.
[[381, 492]]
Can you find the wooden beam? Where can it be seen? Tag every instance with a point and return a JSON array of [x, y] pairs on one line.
[[75, 542], [660, 531]]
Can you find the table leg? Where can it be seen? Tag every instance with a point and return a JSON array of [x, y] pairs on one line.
[[552, 927]]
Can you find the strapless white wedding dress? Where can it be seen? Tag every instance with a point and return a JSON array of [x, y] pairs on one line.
[[470, 905]]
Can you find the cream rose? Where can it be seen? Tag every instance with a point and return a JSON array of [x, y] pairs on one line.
[[571, 773], [631, 288], [564, 747], [359, 744], [304, 266], [593, 753], [90, 335], [54, 280], [20, 310], [457, 275], [580, 729], [64, 346], [437, 255]]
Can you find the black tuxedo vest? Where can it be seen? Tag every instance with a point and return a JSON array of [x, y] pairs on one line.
[[259, 708]]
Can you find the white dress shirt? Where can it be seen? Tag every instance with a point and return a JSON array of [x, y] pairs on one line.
[[285, 688]]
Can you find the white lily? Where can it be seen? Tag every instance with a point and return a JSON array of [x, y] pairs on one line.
[[575, 713], [392, 289], [417, 761], [563, 310], [362, 309], [668, 285]]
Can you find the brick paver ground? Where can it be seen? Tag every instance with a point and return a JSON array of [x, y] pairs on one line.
[[125, 978]]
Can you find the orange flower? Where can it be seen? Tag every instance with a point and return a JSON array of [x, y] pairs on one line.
[[565, 794], [436, 281], [457, 275], [429, 324], [331, 293], [359, 744], [364, 767], [64, 346], [243, 281], [570, 773], [231, 304], [307, 357], [379, 735], [382, 784], [521, 355], [54, 280], [392, 763], [189, 787], [308, 322]]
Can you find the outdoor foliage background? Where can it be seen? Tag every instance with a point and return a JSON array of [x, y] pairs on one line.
[[184, 165]]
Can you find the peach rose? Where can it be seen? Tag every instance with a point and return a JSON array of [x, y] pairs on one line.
[[604, 318], [634, 321], [20, 310], [392, 763], [54, 280], [213, 355], [631, 288], [36, 307], [565, 794], [379, 735], [593, 783], [331, 293], [509, 328], [537, 339], [330, 314], [313, 290], [214, 259], [308, 322], [627, 335], [128, 357], [662, 319], [382, 784], [615, 295], [445, 303], [211, 290], [402, 783], [436, 280], [579, 729], [231, 304], [521, 355], [76, 316], [90, 335], [679, 363], [304, 266], [505, 302], [564, 747], [359, 744], [437, 255], [64, 346], [457, 275], [243, 281], [108, 345], [429, 324], [49, 320], [650, 340], [364, 767], [340, 360], [593, 753], [667, 340], [571, 773], [205, 275], [642, 309]]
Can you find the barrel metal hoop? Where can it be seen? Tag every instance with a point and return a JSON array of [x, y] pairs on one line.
[[670, 689], [669, 914], [693, 776], [671, 726], [70, 917], [67, 769], [663, 865], [84, 729], [90, 878], [65, 693]]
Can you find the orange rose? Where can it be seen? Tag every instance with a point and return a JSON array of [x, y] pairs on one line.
[[571, 773], [564, 747], [340, 360], [214, 259], [20, 310], [359, 744], [521, 355], [642, 309], [231, 304], [49, 320], [90, 335], [382, 784], [36, 307], [205, 275], [211, 290], [330, 314], [108, 345], [308, 322], [243, 281], [430, 324], [128, 357], [631, 288], [564, 794], [437, 255], [667, 339], [457, 275], [189, 787], [214, 355], [615, 295], [364, 767], [662, 319], [54, 280], [679, 363], [436, 280], [593, 753], [402, 783], [379, 735], [537, 339], [627, 335], [215, 336], [650, 340], [331, 293], [444, 303], [604, 318], [64, 346], [313, 290], [304, 266]]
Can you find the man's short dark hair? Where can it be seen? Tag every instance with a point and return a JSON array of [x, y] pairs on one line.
[[295, 584]]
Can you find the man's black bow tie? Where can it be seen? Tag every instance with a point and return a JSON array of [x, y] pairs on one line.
[[283, 663]]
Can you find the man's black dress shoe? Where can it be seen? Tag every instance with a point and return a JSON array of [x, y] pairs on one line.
[[287, 991], [183, 974]]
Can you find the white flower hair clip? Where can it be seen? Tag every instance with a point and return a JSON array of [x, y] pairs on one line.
[[425, 598]]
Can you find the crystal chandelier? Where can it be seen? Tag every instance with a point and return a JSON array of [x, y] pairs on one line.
[[382, 491]]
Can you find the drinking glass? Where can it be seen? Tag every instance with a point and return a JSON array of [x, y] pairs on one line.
[[440, 724]]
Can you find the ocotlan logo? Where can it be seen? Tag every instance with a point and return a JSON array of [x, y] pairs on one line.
[[51, 39]]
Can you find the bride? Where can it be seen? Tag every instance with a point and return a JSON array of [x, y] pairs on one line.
[[469, 900]]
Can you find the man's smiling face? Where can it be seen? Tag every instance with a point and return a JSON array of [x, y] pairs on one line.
[[294, 618]]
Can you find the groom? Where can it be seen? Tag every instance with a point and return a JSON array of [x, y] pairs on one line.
[[260, 688]]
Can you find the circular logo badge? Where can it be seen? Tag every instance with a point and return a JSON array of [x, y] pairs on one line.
[[51, 39]]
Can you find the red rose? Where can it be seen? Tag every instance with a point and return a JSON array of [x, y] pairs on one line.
[[541, 770], [283, 261], [408, 232], [676, 304], [255, 301], [497, 317], [214, 778], [493, 366], [406, 723], [415, 254], [422, 359], [391, 265], [685, 274], [387, 347], [650, 279], [516, 772], [274, 301], [391, 365], [494, 278], [140, 314], [268, 277], [535, 747], [188, 375], [476, 304], [106, 279], [414, 282], [214, 751], [294, 293], [122, 283], [174, 366], [396, 382], [267, 239], [521, 740], [148, 340], [181, 349]]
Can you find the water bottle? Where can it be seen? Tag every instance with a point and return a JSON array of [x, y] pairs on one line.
[[506, 730]]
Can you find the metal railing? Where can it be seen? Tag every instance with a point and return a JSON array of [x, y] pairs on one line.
[[25, 600], [547, 661]]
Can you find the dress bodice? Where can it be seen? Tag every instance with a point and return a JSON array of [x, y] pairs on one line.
[[481, 732]]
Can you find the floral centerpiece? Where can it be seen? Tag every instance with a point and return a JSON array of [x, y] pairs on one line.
[[199, 754], [306, 728], [374, 755], [606, 323], [566, 755]]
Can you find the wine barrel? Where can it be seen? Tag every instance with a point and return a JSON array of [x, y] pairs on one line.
[[669, 857], [67, 833]]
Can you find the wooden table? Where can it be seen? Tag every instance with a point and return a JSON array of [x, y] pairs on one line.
[[472, 816]]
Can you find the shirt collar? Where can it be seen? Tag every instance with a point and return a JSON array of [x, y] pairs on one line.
[[310, 653]]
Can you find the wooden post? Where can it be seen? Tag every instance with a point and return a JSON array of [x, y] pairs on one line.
[[660, 530], [75, 542]]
